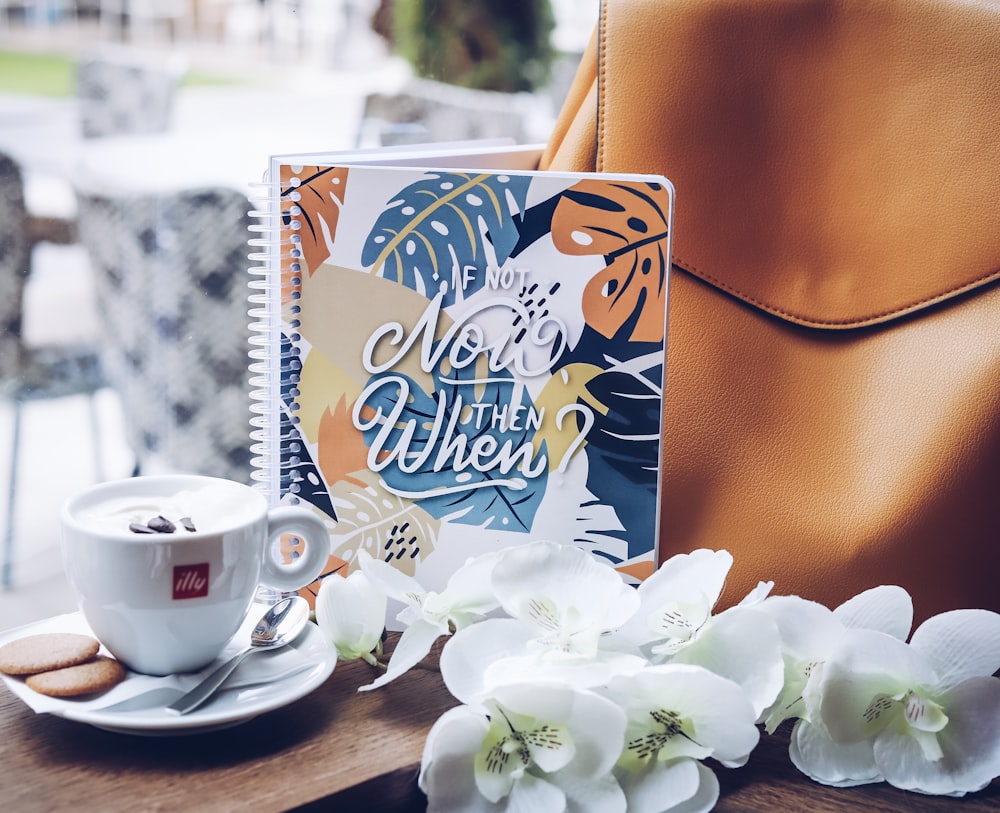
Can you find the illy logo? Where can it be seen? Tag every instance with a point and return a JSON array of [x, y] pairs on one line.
[[191, 581]]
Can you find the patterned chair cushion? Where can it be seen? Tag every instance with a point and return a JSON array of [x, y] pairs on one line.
[[14, 265], [171, 281], [119, 94]]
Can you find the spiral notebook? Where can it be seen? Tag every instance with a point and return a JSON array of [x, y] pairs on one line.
[[456, 353]]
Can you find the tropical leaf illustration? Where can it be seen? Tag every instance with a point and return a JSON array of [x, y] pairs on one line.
[[375, 520], [568, 385], [447, 227], [623, 446], [298, 475], [594, 519], [628, 223], [340, 448], [313, 205], [453, 453]]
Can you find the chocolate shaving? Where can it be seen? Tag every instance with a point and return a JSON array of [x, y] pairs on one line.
[[162, 525]]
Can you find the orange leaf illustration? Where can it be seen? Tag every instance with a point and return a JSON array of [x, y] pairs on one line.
[[341, 445], [628, 223], [316, 211]]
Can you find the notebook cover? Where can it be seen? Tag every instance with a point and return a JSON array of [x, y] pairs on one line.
[[463, 360]]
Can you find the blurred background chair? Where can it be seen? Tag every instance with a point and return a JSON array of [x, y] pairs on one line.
[[171, 287], [121, 91], [146, 20], [424, 110], [31, 372], [37, 13]]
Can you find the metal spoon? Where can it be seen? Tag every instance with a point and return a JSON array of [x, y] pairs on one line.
[[280, 625]]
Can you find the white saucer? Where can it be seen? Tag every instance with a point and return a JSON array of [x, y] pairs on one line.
[[313, 661]]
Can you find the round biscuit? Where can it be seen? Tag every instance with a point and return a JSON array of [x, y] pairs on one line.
[[97, 675], [46, 651]]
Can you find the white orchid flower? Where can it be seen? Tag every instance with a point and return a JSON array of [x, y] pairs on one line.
[[810, 631], [676, 624], [923, 716], [561, 602], [351, 614], [529, 748], [564, 594], [679, 715], [677, 601], [427, 614]]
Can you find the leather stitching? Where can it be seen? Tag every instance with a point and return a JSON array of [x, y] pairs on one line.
[[865, 321]]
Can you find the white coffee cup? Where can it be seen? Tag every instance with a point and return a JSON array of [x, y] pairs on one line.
[[167, 602]]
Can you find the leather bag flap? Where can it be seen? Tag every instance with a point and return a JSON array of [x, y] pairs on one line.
[[837, 162]]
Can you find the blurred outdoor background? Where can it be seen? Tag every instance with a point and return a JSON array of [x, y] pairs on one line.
[[132, 134]]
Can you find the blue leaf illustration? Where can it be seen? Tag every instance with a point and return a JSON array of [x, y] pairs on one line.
[[435, 231], [457, 452], [623, 450]]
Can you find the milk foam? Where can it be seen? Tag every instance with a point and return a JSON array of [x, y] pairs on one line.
[[211, 509]]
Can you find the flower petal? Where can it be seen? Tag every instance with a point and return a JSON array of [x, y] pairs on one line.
[[411, 648], [469, 653], [676, 601], [757, 595], [562, 588], [351, 613], [568, 738], [717, 716], [446, 768], [520, 741], [562, 668], [705, 797], [470, 588], [391, 581], [822, 760], [662, 786], [505, 757], [970, 745], [961, 644], [887, 608], [860, 679], [808, 629], [534, 795], [684, 575], [809, 632], [596, 724], [592, 794], [744, 645]]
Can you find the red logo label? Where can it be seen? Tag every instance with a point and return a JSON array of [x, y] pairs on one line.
[[191, 581]]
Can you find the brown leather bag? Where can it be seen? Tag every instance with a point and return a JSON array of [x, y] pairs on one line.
[[833, 366]]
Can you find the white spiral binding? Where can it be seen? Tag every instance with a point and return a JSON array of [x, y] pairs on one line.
[[265, 340]]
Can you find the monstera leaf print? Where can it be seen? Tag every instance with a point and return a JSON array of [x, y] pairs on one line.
[[453, 452], [381, 523], [443, 227], [623, 444], [310, 210], [626, 222], [340, 448]]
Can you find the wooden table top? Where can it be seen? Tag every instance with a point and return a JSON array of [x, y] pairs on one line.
[[336, 749]]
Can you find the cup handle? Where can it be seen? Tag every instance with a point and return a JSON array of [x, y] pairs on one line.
[[308, 567]]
